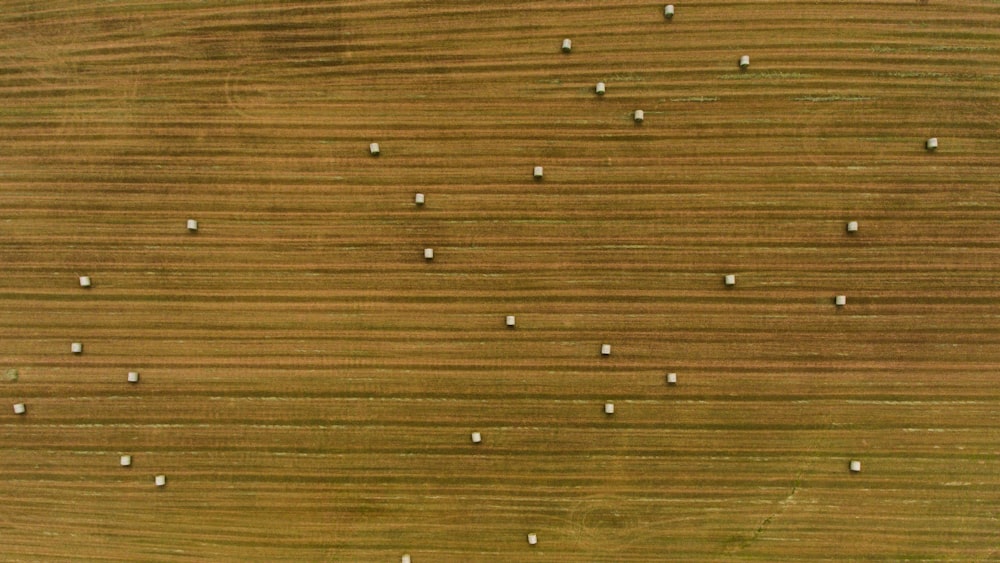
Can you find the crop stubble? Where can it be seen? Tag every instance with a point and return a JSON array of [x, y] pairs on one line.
[[309, 382]]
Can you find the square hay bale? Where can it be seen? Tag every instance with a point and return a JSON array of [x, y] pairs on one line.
[[599, 89], [84, 281], [840, 300], [932, 144], [477, 438], [374, 149], [510, 321], [671, 379], [730, 280], [76, 347], [852, 226], [855, 466], [428, 253], [133, 377], [538, 172], [418, 199], [192, 225], [125, 460], [609, 408], [567, 46], [745, 62], [532, 539], [668, 11], [639, 116], [19, 408], [605, 349], [160, 480]]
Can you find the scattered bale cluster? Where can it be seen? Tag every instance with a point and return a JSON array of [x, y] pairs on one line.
[[476, 437]]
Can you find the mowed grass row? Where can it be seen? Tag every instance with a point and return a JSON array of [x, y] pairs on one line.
[[651, 411], [309, 381]]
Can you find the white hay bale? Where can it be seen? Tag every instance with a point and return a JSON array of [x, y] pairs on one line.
[[160, 480], [855, 466], [605, 349], [730, 279], [477, 438], [76, 347], [192, 225], [852, 226], [671, 379], [639, 115], [932, 144], [538, 172], [125, 460], [840, 300], [532, 539], [418, 199], [510, 321], [567, 45], [609, 408], [668, 11], [84, 281], [745, 61], [133, 377], [19, 408], [405, 558], [429, 253], [374, 149], [599, 88]]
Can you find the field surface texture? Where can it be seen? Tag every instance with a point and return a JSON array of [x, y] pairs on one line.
[[309, 382]]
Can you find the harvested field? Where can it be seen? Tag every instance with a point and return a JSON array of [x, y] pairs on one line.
[[309, 382]]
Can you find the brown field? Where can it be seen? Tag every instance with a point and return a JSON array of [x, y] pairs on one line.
[[309, 382]]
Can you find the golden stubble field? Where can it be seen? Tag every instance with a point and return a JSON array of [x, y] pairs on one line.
[[309, 382]]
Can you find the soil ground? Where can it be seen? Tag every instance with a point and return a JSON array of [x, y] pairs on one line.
[[309, 381]]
